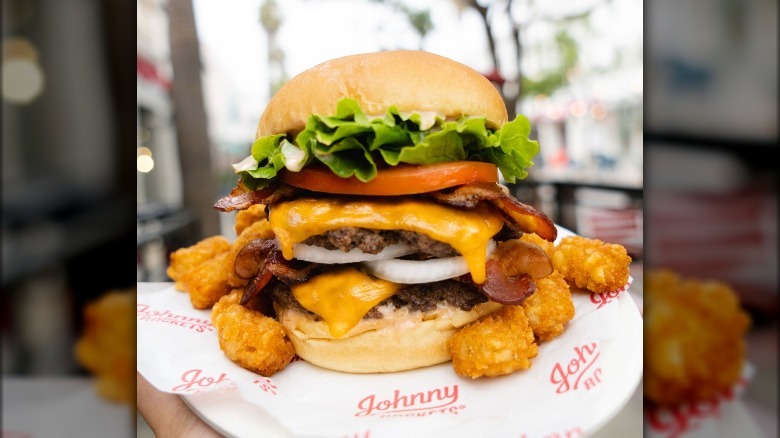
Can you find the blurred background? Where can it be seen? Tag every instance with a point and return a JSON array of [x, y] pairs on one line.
[[710, 128], [67, 206], [686, 90]]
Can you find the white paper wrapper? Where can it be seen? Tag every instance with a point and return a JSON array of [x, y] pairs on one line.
[[576, 383], [715, 418]]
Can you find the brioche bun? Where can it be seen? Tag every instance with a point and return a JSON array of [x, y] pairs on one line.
[[380, 80], [399, 341]]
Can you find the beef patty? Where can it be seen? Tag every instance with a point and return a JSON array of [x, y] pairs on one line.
[[422, 297], [374, 241]]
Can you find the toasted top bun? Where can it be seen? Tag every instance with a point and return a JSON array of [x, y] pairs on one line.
[[411, 81]]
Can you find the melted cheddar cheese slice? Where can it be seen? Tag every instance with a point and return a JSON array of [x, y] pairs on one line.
[[341, 297], [467, 231]]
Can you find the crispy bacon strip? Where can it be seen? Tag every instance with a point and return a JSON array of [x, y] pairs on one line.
[[511, 270], [293, 271], [254, 256], [517, 257], [240, 198], [255, 285], [261, 260], [251, 262], [527, 218], [518, 215], [501, 288]]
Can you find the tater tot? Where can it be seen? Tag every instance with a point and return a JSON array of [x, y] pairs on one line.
[[105, 347], [494, 345], [185, 259], [249, 338], [245, 218], [694, 338], [232, 297], [257, 230], [550, 307], [592, 264], [207, 283]]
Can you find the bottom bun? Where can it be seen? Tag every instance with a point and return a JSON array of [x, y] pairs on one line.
[[401, 340]]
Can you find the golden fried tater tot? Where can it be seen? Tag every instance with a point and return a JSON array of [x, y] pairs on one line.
[[249, 338], [207, 282], [245, 218], [494, 345], [550, 307], [547, 246], [591, 263], [257, 230], [233, 297], [185, 259], [694, 338], [106, 347]]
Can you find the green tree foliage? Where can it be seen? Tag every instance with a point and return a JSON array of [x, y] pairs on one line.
[[554, 79]]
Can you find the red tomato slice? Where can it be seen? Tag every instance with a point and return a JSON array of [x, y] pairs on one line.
[[404, 179]]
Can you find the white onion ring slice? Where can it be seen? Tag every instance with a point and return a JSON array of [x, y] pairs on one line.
[[421, 271], [316, 254]]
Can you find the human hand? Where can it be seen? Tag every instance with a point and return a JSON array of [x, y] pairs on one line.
[[167, 414]]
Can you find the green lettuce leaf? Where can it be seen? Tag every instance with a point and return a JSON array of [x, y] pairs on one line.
[[351, 144], [346, 158]]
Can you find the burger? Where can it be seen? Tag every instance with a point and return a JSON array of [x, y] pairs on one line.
[[379, 174]]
